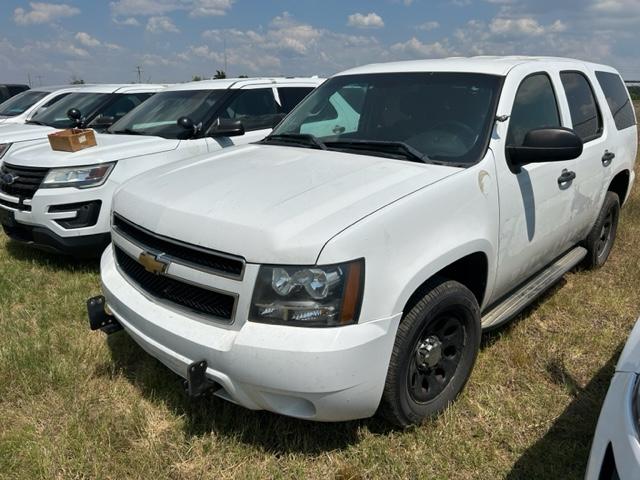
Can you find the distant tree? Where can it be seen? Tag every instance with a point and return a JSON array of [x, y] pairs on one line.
[[243, 76], [76, 81], [196, 78], [635, 93], [220, 74]]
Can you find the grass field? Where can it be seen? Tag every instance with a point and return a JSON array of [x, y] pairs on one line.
[[76, 404]]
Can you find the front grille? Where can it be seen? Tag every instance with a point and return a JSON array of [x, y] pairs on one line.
[[198, 299], [182, 252], [26, 180]]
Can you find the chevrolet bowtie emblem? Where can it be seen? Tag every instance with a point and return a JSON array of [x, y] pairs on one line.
[[152, 264]]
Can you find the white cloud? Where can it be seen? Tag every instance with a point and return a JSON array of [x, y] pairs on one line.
[[415, 48], [428, 26], [525, 26], [196, 8], [161, 24], [43, 13], [370, 20], [126, 22], [87, 40]]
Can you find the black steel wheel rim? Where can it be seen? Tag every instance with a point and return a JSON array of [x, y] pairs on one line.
[[605, 234], [435, 357]]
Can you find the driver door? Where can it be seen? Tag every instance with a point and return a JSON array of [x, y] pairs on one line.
[[535, 202]]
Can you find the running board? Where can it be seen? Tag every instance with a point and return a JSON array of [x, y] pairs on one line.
[[527, 293]]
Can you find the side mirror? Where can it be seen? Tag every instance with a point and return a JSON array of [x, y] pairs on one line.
[[76, 116], [224, 127], [103, 121], [186, 123], [546, 145]]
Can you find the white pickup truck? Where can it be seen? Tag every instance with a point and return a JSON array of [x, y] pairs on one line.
[[61, 201], [349, 262]]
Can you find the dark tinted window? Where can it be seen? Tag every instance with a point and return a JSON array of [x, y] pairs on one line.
[[291, 96], [56, 115], [16, 89], [585, 114], [120, 106], [256, 108], [617, 98], [21, 102], [54, 100], [534, 107]]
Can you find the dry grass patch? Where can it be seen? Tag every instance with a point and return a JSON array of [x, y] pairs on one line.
[[75, 404]]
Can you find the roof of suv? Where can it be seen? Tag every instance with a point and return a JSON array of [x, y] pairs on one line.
[[236, 83], [119, 87], [482, 64]]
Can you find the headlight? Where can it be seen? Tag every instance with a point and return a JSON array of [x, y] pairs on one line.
[[318, 296], [79, 177], [3, 148]]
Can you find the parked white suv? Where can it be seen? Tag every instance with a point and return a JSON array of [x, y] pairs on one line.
[[94, 106], [19, 109], [350, 261], [62, 200]]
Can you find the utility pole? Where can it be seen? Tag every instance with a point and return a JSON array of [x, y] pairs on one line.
[[139, 70], [225, 55], [39, 77], [29, 79]]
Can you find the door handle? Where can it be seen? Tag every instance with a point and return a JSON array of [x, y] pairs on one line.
[[607, 158], [566, 178]]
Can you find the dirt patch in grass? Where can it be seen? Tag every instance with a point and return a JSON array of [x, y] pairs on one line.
[[77, 405]]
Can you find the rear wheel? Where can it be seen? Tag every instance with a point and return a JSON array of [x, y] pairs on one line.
[[435, 348], [602, 236]]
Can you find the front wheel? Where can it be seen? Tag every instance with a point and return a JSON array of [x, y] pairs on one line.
[[602, 236], [434, 352]]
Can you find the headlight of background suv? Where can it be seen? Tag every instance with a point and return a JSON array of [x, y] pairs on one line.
[[3, 148], [79, 177], [316, 296]]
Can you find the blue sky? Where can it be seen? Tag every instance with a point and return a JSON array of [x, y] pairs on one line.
[[172, 40]]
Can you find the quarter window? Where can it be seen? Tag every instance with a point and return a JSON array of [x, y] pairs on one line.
[[617, 98], [585, 114], [535, 106]]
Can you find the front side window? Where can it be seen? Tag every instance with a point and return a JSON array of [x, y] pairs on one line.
[[56, 115], [159, 114], [534, 107], [292, 96], [21, 102], [617, 98], [585, 114], [256, 108], [118, 107], [423, 116]]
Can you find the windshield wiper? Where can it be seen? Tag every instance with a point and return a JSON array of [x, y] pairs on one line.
[[305, 139], [390, 147], [128, 131]]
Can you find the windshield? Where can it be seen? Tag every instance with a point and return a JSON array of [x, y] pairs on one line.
[[158, 116], [425, 116], [20, 103], [56, 115]]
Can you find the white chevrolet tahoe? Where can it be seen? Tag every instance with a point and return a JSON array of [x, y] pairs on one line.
[[22, 107], [349, 262], [93, 106], [62, 200]]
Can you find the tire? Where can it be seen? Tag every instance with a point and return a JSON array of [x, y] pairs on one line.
[[447, 315], [602, 236]]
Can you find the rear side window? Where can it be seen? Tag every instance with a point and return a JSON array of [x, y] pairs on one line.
[[54, 100], [291, 96], [535, 106], [617, 98], [585, 114]]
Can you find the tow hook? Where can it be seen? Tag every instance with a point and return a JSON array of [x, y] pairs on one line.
[[99, 318], [197, 382]]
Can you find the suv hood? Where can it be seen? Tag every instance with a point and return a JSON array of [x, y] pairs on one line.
[[269, 204], [21, 132], [109, 148]]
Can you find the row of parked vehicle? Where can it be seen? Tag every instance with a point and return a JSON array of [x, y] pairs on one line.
[[347, 262]]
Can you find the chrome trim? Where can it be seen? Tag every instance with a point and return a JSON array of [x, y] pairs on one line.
[[178, 260]]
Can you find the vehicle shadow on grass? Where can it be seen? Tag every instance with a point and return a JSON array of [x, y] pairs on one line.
[[564, 450], [272, 433], [51, 260]]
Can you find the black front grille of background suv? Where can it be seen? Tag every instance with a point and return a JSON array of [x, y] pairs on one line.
[[198, 299], [21, 182], [183, 253]]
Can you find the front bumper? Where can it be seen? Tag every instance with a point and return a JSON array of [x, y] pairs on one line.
[[330, 374], [615, 446], [43, 220]]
